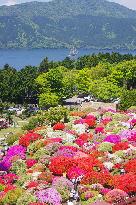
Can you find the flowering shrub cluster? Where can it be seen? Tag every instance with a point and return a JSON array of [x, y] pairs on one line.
[[41, 168]]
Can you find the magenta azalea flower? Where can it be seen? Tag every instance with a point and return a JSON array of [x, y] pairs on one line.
[[113, 138]]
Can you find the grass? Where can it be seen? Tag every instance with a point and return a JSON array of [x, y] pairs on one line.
[[16, 129]]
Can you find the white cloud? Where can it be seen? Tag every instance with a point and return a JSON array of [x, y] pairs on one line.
[[10, 2], [128, 3]]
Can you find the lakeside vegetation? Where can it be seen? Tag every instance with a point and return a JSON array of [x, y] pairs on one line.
[[105, 76]]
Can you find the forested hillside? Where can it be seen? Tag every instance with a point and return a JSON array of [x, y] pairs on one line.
[[61, 23]]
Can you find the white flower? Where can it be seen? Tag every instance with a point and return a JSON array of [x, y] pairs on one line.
[[110, 156], [118, 160], [108, 165], [35, 175], [79, 128], [70, 137]]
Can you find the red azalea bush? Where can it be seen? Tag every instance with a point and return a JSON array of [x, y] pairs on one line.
[[75, 172], [130, 166], [93, 177], [9, 187], [126, 182], [105, 121], [60, 165], [99, 130], [90, 164], [59, 126], [120, 146], [10, 178], [32, 184], [28, 138], [83, 138], [30, 162], [74, 149], [90, 122]]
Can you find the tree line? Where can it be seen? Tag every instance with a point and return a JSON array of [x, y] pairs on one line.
[[105, 76]]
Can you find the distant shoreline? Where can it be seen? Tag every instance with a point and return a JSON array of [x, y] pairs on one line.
[[21, 57]]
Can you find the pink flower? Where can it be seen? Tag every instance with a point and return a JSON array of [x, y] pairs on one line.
[[75, 172]]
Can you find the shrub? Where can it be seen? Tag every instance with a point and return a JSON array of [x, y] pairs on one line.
[[128, 99], [26, 198], [12, 196], [48, 100], [19, 167], [57, 114], [34, 122], [10, 139], [105, 146]]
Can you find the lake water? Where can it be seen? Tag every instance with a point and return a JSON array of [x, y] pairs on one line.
[[19, 58]]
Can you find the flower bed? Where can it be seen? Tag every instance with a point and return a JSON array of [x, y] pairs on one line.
[[43, 169]]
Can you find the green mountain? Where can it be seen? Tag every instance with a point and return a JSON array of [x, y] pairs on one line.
[[61, 23]]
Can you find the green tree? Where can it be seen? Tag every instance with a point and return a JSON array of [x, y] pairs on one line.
[[124, 74], [27, 87], [44, 66], [128, 99], [52, 81], [105, 90], [84, 80], [9, 82], [47, 100]]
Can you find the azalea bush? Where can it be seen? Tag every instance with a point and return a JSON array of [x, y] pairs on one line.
[[40, 169]]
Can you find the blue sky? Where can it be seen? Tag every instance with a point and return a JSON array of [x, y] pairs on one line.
[[129, 3]]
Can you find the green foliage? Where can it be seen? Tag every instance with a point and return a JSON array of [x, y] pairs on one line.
[[105, 146], [33, 147], [105, 90], [18, 86], [26, 198], [10, 139], [44, 65], [124, 74], [105, 76], [12, 196], [22, 179], [34, 122], [47, 100], [19, 167], [57, 114], [128, 99], [40, 153]]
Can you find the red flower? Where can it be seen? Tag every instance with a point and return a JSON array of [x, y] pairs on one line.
[[9, 187], [126, 182], [99, 130], [28, 138], [30, 162], [90, 122], [83, 138], [60, 165], [59, 126], [90, 164], [33, 184], [120, 146], [103, 178], [117, 166], [9, 178], [130, 166]]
